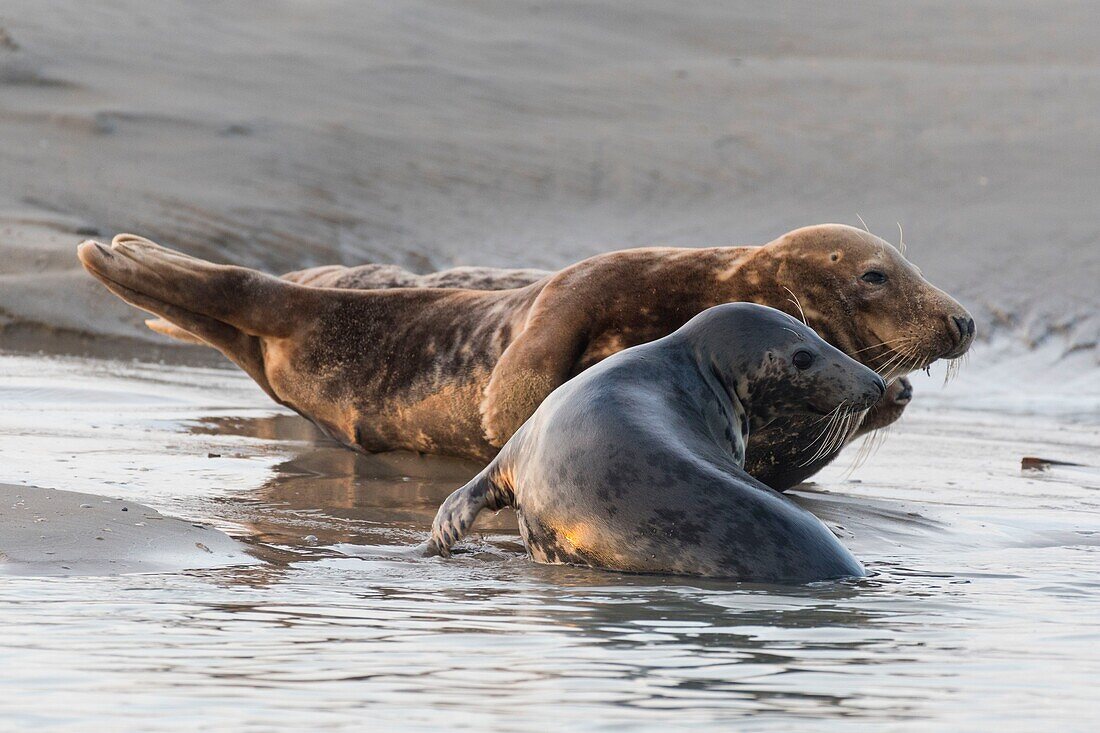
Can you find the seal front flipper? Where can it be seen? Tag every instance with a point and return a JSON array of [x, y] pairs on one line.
[[487, 490], [540, 358]]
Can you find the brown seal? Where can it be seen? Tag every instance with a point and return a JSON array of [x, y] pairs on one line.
[[456, 371]]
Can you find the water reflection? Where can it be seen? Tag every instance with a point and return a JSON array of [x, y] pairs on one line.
[[977, 615], [328, 495]]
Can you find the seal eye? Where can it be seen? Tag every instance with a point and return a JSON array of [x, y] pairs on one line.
[[802, 359], [874, 277]]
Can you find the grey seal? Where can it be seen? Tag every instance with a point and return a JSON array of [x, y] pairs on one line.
[[637, 464]]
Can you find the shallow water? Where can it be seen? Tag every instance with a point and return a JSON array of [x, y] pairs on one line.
[[983, 609]]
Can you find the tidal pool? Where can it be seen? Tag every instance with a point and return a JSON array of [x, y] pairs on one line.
[[983, 610]]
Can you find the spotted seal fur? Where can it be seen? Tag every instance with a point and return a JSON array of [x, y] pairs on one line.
[[637, 463]]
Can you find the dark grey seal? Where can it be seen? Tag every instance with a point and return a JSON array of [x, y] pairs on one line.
[[636, 464]]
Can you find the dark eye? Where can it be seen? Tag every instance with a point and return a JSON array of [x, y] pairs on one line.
[[802, 359], [874, 277]]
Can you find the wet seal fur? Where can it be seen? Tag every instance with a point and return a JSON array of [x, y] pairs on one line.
[[381, 366], [637, 464]]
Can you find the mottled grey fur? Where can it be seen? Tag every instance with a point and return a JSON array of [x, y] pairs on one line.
[[637, 463]]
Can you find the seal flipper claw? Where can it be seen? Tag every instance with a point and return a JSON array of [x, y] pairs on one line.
[[166, 328], [460, 510], [456, 516]]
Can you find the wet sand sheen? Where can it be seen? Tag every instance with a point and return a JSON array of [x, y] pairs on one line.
[[983, 583], [52, 532]]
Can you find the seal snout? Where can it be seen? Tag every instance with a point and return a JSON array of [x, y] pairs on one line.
[[874, 391], [904, 393], [962, 330]]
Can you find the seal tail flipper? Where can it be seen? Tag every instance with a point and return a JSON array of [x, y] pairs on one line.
[[167, 328], [229, 308], [170, 284], [460, 510]]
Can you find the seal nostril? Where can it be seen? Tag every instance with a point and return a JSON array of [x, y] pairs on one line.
[[964, 326]]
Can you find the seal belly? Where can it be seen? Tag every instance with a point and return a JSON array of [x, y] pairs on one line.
[[700, 524]]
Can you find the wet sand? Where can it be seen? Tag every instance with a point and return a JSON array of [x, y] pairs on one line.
[[978, 613], [47, 532]]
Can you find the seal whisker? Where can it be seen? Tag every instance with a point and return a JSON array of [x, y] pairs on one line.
[[824, 430], [845, 430], [813, 456], [797, 303], [868, 448], [886, 369], [828, 434], [826, 416], [823, 449], [954, 367], [830, 417], [825, 437], [897, 341], [905, 360], [910, 358], [861, 455], [901, 356], [901, 240], [917, 357], [897, 353]]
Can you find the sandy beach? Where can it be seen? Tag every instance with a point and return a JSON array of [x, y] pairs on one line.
[[253, 575], [285, 135]]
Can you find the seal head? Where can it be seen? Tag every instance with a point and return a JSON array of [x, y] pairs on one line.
[[863, 296]]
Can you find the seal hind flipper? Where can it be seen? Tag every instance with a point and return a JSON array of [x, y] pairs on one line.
[[459, 511], [176, 283], [166, 328], [229, 308]]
